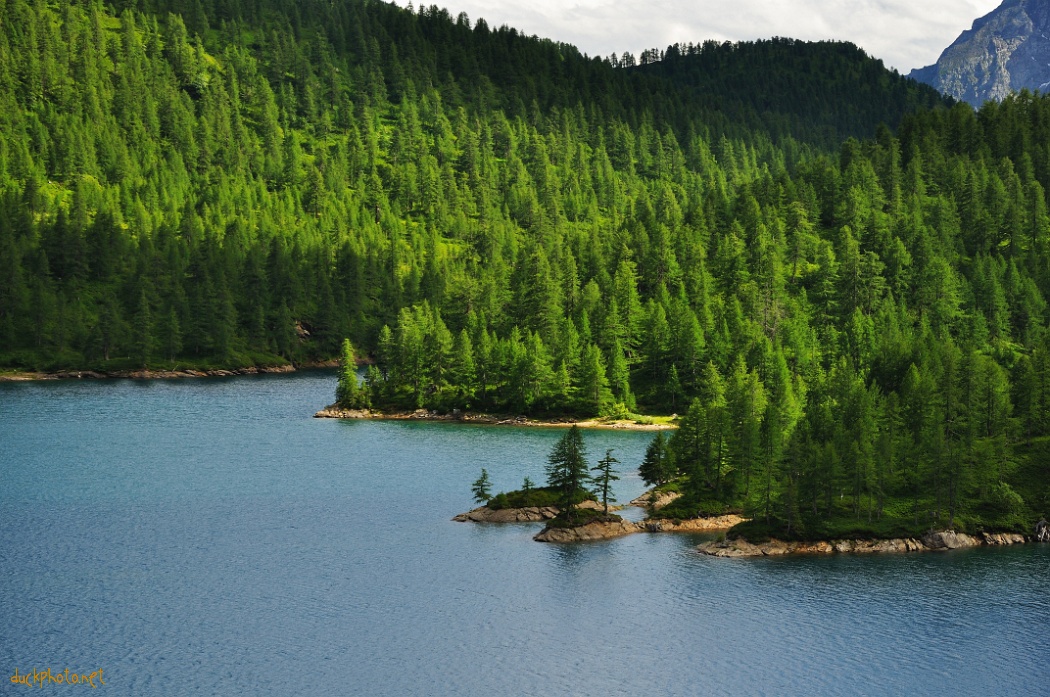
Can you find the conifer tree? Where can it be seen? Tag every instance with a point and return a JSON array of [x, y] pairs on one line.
[[604, 477], [349, 394], [482, 488], [567, 471], [657, 468]]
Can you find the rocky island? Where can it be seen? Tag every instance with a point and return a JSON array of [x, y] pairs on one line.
[[596, 525]]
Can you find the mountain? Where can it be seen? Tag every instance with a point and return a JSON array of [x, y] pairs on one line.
[[1006, 51]]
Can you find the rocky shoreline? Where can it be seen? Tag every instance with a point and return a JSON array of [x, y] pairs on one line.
[[712, 524], [457, 416], [591, 532], [530, 514], [597, 530], [662, 499], [149, 374], [946, 540], [736, 548]]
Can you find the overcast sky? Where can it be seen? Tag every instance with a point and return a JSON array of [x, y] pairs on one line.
[[905, 34]]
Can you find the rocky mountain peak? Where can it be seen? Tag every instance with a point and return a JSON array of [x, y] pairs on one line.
[[1005, 51]]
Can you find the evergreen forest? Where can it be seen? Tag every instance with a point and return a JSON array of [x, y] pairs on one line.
[[835, 276]]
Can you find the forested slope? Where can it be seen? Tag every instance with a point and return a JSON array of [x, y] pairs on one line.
[[821, 93], [212, 185], [502, 223]]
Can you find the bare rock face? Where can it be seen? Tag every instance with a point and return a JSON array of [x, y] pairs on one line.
[[1006, 50], [741, 548], [507, 515], [645, 500], [1042, 531], [1002, 538], [589, 532], [713, 524], [530, 514], [949, 539]]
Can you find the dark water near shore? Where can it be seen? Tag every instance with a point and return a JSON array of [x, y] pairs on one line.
[[210, 537]]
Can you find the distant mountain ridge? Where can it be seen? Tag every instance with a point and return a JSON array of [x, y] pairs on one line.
[[1006, 51]]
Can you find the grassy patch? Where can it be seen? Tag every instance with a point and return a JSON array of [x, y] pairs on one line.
[[539, 498], [814, 529], [689, 505], [672, 487]]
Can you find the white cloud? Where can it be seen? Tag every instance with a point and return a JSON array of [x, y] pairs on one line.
[[906, 34]]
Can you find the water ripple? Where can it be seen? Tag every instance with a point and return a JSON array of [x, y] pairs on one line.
[[209, 537]]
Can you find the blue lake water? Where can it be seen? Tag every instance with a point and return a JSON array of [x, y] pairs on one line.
[[202, 537]]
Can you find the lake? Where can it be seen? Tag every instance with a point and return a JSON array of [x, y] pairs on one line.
[[199, 537]]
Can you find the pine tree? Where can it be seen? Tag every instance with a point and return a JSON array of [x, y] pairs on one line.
[[606, 475], [657, 468], [482, 488], [349, 394], [567, 471]]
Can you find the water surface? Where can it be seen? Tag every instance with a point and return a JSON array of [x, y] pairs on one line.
[[209, 537]]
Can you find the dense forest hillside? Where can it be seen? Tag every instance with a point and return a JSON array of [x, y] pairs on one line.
[[500, 222], [206, 187], [819, 93]]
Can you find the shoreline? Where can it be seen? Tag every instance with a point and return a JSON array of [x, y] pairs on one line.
[[456, 416], [738, 548], [161, 374], [947, 540], [596, 530]]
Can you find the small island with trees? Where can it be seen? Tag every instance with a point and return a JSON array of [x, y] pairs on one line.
[[573, 510]]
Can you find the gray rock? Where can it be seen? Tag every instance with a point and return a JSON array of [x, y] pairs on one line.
[[1005, 51]]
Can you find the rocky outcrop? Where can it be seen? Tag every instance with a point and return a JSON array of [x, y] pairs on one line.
[[953, 540], [532, 514], [1006, 50], [598, 530], [529, 514], [662, 499], [1042, 531], [713, 524], [334, 412], [933, 541]]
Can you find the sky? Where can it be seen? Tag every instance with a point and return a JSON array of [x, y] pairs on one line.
[[905, 34]]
